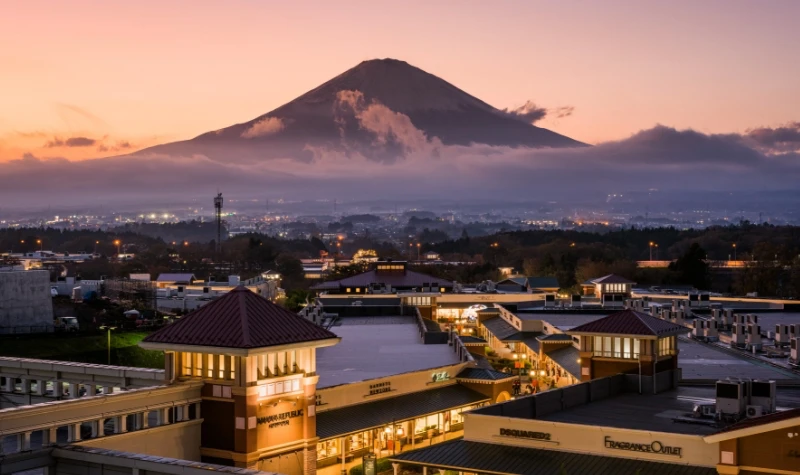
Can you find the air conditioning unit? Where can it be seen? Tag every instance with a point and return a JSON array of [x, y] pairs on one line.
[[794, 352], [181, 291], [754, 411], [206, 290], [752, 318], [705, 410], [731, 397], [753, 338], [738, 334], [764, 395]]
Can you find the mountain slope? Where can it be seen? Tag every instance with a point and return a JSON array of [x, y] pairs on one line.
[[318, 118]]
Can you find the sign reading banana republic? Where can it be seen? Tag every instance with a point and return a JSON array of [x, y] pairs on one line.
[[655, 447], [277, 420]]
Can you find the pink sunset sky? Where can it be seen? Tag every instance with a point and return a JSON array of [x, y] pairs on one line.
[[125, 75]]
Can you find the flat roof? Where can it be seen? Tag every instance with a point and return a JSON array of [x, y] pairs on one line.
[[703, 361], [654, 412], [376, 347]]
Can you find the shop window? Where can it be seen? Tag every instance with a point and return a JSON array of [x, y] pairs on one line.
[[327, 448]]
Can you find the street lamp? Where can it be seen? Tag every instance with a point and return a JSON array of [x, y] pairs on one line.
[[734, 251], [118, 243], [95, 246], [41, 246], [656, 251], [651, 249], [104, 327], [418, 246]]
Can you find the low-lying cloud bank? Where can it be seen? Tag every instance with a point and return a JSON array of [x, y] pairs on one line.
[[397, 160]]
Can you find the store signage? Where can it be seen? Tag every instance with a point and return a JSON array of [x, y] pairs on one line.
[[370, 464], [379, 388], [278, 420], [437, 377], [525, 434], [655, 447]]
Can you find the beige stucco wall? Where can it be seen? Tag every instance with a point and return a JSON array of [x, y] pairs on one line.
[[589, 439], [358, 393], [180, 441]]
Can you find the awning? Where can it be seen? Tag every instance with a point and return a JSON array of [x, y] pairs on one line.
[[379, 413], [477, 457]]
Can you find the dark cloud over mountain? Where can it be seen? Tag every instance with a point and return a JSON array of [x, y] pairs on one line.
[[71, 142]]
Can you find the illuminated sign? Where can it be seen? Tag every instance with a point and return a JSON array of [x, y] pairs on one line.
[[437, 377], [655, 447], [278, 420], [525, 434]]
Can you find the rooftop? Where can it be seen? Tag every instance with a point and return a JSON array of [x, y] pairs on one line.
[[401, 279], [654, 412], [703, 361], [610, 279], [239, 319], [629, 322], [376, 347]]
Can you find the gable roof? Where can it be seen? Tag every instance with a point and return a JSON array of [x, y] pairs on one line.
[[483, 374], [409, 278], [629, 322], [239, 319], [611, 279], [775, 421]]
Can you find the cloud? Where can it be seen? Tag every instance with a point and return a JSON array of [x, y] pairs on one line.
[[119, 146], [393, 134], [70, 142], [71, 114], [264, 127], [528, 112], [776, 140]]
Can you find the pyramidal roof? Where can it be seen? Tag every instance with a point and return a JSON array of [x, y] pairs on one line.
[[239, 319], [629, 322]]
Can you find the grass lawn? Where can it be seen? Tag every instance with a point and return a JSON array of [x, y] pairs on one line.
[[84, 348]]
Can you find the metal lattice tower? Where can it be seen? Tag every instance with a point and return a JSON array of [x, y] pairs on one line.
[[218, 211]]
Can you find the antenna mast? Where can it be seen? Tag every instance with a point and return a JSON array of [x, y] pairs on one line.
[[218, 211]]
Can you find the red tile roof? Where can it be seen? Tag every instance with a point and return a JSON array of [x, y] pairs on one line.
[[628, 322], [409, 278], [240, 319]]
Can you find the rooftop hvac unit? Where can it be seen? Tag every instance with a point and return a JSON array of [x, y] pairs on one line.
[[794, 331], [794, 353], [206, 290], [181, 291], [739, 318], [764, 394], [716, 313], [731, 397], [782, 336], [712, 334], [752, 318], [754, 411], [738, 334], [753, 337]]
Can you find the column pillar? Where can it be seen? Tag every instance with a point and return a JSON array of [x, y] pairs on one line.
[[145, 421], [73, 390], [164, 415], [197, 410], [75, 432], [25, 387], [424, 470], [25, 441], [396, 468], [9, 386], [120, 424], [52, 436], [97, 428], [41, 387], [108, 389]]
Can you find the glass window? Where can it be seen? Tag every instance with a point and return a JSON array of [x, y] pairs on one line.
[[636, 348], [598, 345], [626, 347], [607, 346], [617, 347], [198, 364]]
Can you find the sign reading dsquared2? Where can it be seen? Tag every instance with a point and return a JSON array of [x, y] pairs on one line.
[[655, 447], [525, 434]]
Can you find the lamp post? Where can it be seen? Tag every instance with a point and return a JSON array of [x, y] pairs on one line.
[[108, 329], [118, 243], [734, 251], [95, 246], [41, 246], [418, 247], [656, 251]]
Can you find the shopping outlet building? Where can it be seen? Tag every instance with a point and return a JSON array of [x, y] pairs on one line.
[[249, 385]]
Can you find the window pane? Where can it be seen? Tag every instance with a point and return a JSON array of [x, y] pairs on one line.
[[626, 347]]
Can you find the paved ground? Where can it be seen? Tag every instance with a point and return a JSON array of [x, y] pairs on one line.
[[377, 347], [700, 361]]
